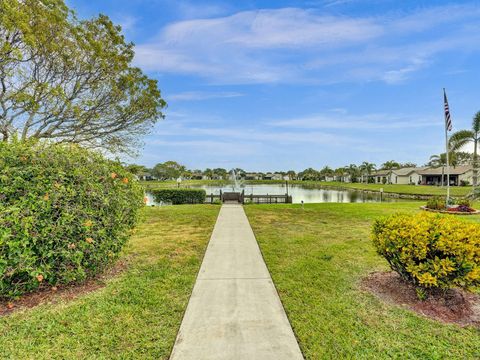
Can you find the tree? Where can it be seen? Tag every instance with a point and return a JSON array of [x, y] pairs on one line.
[[135, 169], [292, 175], [353, 171], [464, 137], [220, 173], [325, 171], [309, 174], [68, 80], [209, 173], [408, 165], [390, 165], [463, 158], [168, 170], [367, 169]]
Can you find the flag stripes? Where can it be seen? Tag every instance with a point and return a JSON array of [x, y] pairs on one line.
[[448, 120]]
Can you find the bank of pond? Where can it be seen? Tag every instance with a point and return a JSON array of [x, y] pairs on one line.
[[298, 193]]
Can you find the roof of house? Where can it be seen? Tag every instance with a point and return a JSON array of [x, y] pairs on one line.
[[457, 170], [381, 173], [407, 171]]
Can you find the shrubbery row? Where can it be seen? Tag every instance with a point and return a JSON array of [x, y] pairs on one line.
[[65, 214], [179, 196]]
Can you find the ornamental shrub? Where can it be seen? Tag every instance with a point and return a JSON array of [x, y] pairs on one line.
[[430, 250], [179, 196], [436, 203], [464, 202], [65, 214]]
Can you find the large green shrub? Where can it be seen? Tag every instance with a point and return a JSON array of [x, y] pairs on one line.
[[179, 196], [65, 214], [430, 250]]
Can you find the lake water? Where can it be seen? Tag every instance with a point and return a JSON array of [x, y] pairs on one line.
[[299, 193]]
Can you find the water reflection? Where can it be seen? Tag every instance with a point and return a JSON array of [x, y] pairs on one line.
[[299, 193], [307, 194]]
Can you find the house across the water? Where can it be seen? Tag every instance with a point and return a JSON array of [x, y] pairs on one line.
[[145, 176], [271, 176], [459, 175], [253, 176]]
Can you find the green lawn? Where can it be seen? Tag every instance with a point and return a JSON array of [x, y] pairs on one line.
[[138, 313], [398, 189], [317, 257]]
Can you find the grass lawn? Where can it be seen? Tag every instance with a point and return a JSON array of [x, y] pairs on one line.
[[317, 257], [138, 313], [398, 189], [392, 188]]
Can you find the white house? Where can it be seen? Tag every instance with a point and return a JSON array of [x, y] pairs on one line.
[[145, 176], [253, 176], [403, 176], [458, 174], [271, 176], [407, 176], [381, 176]]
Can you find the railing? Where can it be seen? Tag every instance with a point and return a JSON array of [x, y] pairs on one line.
[[211, 199], [243, 198], [269, 199]]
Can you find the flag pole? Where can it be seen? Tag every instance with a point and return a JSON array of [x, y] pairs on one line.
[[448, 157]]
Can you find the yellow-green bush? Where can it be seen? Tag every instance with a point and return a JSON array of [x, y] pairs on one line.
[[430, 250]]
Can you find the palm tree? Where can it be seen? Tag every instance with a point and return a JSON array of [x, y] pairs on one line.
[[440, 160], [353, 171], [326, 171], [463, 137], [367, 168], [390, 165]]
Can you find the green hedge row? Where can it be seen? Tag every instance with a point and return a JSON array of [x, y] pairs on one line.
[[65, 214], [179, 196]]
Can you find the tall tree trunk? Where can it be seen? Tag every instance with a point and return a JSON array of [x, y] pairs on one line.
[[475, 161], [443, 175]]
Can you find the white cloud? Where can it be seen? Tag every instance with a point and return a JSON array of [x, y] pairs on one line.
[[355, 122], [280, 28], [202, 95], [127, 22], [291, 45]]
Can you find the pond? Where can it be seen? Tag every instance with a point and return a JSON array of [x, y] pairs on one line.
[[299, 193]]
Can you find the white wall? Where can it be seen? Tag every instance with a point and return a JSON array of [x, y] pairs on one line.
[[468, 176]]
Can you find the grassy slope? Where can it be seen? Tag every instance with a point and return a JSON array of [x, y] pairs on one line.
[[329, 251], [402, 189], [137, 315], [398, 189]]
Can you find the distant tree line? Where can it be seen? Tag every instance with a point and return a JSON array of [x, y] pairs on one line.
[[171, 170]]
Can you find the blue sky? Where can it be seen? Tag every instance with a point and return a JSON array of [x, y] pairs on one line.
[[279, 85]]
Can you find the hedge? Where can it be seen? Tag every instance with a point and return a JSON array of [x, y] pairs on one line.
[[65, 214], [430, 250], [179, 196]]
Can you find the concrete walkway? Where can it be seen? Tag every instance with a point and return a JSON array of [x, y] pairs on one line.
[[234, 311]]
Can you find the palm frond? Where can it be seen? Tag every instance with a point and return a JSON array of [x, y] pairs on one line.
[[476, 122], [460, 139]]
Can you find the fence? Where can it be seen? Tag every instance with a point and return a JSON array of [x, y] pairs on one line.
[[242, 198]]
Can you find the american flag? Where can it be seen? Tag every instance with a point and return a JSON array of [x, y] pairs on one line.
[[448, 120]]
